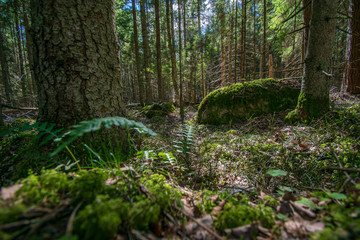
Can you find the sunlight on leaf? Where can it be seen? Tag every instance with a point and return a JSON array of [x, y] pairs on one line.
[[276, 172]]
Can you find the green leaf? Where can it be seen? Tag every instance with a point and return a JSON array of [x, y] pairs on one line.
[[307, 202], [276, 172], [337, 196]]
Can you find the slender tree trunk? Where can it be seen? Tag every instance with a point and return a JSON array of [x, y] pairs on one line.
[[185, 67], [137, 56], [230, 48], [243, 40], [263, 44], [353, 69], [314, 97], [254, 41], [201, 49], [146, 49], [236, 41], [21, 58], [307, 17], [223, 53], [29, 46], [78, 75], [5, 74], [172, 50], [158, 52], [180, 64]]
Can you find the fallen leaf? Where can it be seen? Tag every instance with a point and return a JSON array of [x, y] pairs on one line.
[[246, 232], [218, 208], [9, 192]]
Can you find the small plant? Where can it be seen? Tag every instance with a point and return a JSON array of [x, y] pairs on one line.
[[185, 142]]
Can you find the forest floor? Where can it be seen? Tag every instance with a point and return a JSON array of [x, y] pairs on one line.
[[260, 179]]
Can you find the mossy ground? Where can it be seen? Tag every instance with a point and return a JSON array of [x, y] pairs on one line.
[[225, 173]]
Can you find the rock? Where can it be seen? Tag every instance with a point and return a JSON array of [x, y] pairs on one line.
[[158, 109], [242, 101]]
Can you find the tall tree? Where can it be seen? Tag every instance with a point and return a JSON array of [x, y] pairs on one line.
[[137, 55], [263, 42], [146, 49], [201, 49], [307, 16], [243, 40], [5, 74], [180, 6], [172, 49], [314, 97], [158, 52], [20, 52], [77, 61], [353, 68]]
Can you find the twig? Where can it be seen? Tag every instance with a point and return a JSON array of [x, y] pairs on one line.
[[69, 226], [351, 170], [217, 236], [15, 224]]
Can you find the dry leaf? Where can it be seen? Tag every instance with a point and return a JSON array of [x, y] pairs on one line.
[[246, 232], [218, 208], [9, 192]]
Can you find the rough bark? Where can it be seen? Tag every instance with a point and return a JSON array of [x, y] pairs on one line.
[[76, 60], [137, 56], [236, 39], [314, 97], [5, 74], [180, 64], [222, 44], [171, 50], [146, 49], [254, 41], [353, 69]]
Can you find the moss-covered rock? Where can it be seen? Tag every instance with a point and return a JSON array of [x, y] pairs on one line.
[[242, 101], [158, 110]]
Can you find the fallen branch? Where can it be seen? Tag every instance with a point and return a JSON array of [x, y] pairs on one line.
[[350, 170]]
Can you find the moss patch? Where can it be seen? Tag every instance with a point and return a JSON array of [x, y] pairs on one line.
[[158, 110], [242, 101]]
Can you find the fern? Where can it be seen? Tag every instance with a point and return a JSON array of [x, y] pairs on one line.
[[48, 130], [95, 125], [186, 140]]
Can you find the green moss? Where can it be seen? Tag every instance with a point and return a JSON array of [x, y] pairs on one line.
[[242, 101], [102, 218], [165, 195], [49, 187], [143, 213], [308, 108], [239, 214], [158, 110]]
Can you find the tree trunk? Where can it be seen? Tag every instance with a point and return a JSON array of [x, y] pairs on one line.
[[222, 44], [201, 49], [172, 50], [230, 48], [236, 39], [243, 40], [307, 16], [5, 74], [314, 97], [254, 40], [146, 49], [76, 60], [137, 56], [29, 46], [180, 64], [158, 52], [263, 44], [20, 53], [353, 69]]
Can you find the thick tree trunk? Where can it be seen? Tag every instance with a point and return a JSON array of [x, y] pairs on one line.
[[146, 49], [353, 69], [5, 74], [158, 52], [137, 56], [76, 59], [172, 50], [314, 97]]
